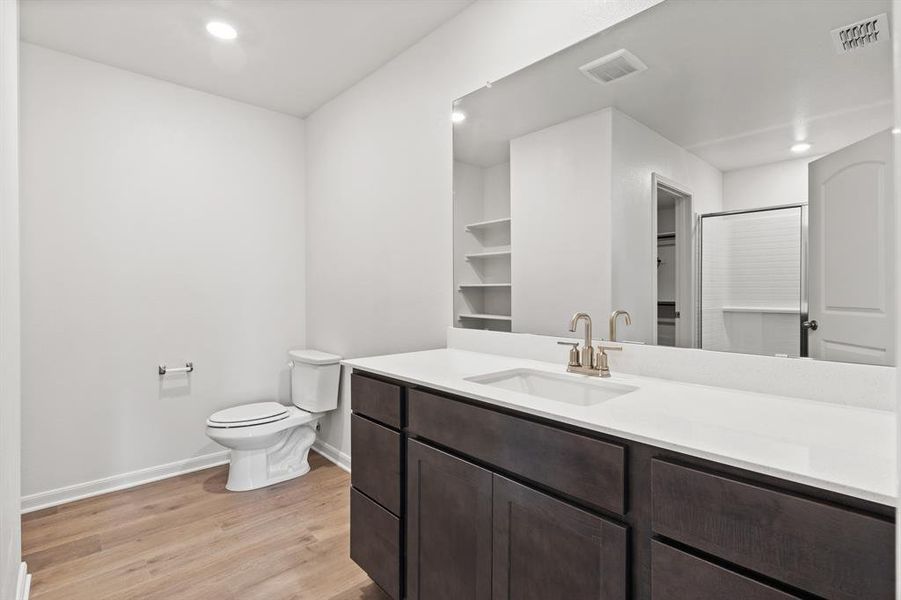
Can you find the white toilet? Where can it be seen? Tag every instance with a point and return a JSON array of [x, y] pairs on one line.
[[270, 441]]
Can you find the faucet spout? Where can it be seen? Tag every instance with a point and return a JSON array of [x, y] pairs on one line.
[[587, 351], [574, 323], [613, 317]]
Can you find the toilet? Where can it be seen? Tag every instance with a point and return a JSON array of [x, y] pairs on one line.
[[269, 441]]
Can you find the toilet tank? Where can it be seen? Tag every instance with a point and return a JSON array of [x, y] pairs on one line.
[[314, 380]]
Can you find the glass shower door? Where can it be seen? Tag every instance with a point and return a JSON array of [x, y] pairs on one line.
[[752, 287]]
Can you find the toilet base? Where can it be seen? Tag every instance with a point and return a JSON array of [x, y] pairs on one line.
[[284, 460]]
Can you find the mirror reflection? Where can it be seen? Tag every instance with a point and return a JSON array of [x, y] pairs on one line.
[[724, 193]]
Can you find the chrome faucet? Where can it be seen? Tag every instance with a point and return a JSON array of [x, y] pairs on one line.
[[613, 318], [586, 360]]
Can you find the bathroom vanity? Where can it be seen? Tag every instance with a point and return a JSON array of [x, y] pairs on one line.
[[471, 481]]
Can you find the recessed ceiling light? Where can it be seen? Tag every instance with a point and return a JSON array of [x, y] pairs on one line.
[[800, 147], [896, 130], [457, 117], [221, 30]]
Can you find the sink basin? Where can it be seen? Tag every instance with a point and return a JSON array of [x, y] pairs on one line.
[[580, 390]]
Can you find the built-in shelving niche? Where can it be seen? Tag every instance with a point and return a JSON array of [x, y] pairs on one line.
[[482, 247]]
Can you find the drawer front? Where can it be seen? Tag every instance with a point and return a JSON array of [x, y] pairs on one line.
[[376, 457], [583, 468], [375, 542], [832, 552], [376, 399], [676, 575]]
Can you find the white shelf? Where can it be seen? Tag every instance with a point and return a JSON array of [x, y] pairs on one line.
[[482, 286], [487, 224], [485, 317], [487, 254], [788, 310]]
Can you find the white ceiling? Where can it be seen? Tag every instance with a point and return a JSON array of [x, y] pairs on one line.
[[736, 83], [291, 55]]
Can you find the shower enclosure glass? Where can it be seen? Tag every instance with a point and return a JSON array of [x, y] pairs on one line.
[[752, 281]]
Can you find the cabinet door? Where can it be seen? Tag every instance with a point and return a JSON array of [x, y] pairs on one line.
[[545, 548], [448, 527]]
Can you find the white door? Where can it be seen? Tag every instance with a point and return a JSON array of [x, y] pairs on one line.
[[851, 254]]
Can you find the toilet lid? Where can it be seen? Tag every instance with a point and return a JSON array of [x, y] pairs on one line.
[[257, 413]]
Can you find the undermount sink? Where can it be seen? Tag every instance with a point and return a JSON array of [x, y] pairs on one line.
[[579, 390]]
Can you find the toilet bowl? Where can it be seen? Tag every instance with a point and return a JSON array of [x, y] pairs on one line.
[[270, 442]]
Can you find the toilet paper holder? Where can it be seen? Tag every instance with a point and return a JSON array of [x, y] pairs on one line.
[[188, 368]]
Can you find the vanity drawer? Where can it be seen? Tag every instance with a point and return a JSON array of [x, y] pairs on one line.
[[677, 575], [376, 461], [585, 469], [832, 552], [378, 400], [375, 542]]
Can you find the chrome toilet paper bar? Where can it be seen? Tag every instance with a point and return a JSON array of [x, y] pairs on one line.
[[189, 367]]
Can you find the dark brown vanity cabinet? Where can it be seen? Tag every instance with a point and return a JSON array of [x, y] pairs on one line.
[[455, 499]]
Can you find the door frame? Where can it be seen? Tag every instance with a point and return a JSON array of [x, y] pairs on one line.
[[685, 253]]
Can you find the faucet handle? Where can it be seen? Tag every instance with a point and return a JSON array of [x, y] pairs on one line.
[[573, 353], [601, 363]]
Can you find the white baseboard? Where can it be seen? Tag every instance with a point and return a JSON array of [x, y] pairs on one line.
[[23, 586], [114, 483], [333, 454]]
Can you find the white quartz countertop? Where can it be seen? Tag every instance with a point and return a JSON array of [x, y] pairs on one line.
[[839, 448]]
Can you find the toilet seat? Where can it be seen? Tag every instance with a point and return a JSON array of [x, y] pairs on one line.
[[248, 415]]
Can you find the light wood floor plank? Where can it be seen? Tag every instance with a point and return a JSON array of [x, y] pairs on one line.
[[187, 538]]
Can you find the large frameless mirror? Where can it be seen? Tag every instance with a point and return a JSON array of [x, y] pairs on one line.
[[721, 171]]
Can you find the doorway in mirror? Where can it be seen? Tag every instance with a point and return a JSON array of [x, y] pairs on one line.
[[674, 263]]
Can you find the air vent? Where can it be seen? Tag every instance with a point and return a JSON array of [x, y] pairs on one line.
[[613, 66], [862, 34]]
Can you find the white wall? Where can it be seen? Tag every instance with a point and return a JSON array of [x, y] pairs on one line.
[[638, 153], [379, 177], [560, 203], [159, 224], [496, 191], [10, 538], [783, 182]]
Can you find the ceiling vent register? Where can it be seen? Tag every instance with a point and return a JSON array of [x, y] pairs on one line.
[[615, 65], [862, 34]]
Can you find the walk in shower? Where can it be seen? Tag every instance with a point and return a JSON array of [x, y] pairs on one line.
[[753, 281]]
